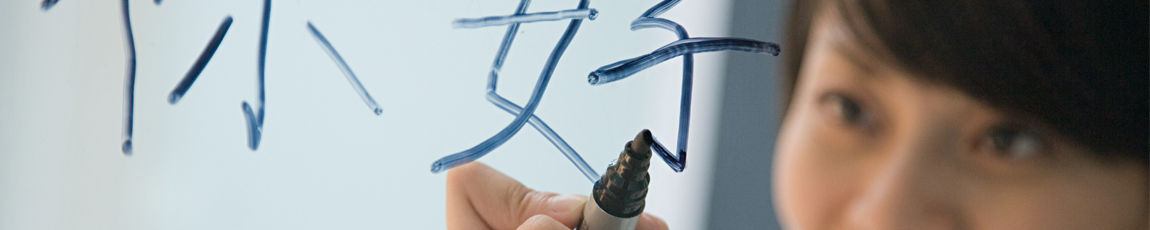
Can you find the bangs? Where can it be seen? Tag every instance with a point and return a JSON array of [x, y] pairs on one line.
[[1078, 67]]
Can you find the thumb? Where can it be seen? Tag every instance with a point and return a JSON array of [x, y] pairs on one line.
[[564, 209], [542, 222], [650, 222]]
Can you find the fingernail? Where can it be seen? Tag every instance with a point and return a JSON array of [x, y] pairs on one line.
[[568, 203]]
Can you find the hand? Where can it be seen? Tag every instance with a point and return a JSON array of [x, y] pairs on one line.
[[478, 197]]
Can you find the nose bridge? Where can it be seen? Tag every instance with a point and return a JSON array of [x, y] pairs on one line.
[[910, 184]]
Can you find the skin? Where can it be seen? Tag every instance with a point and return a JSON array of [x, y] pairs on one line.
[[478, 197], [866, 145]]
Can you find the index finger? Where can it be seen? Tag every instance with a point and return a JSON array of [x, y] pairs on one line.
[[478, 195]]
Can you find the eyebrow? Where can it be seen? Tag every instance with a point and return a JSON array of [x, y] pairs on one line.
[[861, 59]]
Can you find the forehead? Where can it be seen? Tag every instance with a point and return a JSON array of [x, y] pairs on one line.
[[830, 37], [835, 59]]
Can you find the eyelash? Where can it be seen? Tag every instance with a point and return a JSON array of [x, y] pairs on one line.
[[1007, 140], [848, 111], [1014, 142]]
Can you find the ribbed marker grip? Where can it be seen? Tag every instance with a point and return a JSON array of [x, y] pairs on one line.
[[622, 189]]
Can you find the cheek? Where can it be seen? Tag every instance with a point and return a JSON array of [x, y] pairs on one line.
[[813, 179]]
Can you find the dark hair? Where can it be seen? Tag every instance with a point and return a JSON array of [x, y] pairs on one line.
[[1080, 67]]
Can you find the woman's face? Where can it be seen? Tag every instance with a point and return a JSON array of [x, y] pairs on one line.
[[867, 146]]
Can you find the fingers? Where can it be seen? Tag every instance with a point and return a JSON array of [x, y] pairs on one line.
[[649, 222], [542, 222], [480, 197]]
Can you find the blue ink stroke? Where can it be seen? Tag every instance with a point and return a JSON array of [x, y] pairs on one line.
[[521, 118], [685, 47], [201, 62], [525, 18], [346, 69], [255, 120], [129, 81]]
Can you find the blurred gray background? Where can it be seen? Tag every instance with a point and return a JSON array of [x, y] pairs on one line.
[[748, 121]]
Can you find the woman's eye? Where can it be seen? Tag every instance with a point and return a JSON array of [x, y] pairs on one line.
[[846, 109], [1013, 142]]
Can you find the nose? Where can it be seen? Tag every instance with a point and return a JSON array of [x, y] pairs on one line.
[[909, 190]]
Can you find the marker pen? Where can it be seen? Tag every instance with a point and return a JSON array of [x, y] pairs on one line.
[[619, 196]]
